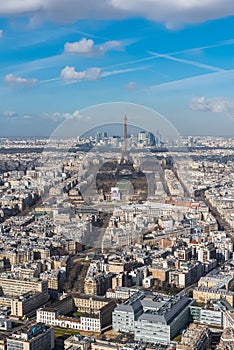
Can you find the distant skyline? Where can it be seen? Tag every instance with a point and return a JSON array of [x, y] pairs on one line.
[[60, 57]]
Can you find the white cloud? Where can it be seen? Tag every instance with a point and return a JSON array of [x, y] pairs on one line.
[[131, 85], [109, 45], [170, 12], [176, 12], [54, 116], [69, 73], [58, 116], [13, 115], [27, 116], [76, 114], [83, 46], [19, 7], [215, 105], [13, 81], [1, 33], [10, 114], [88, 47]]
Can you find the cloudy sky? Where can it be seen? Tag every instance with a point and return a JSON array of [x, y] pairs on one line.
[[61, 56]]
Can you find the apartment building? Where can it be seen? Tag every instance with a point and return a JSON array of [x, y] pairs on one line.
[[35, 337], [13, 286], [89, 303], [93, 322], [196, 337], [204, 294], [27, 303]]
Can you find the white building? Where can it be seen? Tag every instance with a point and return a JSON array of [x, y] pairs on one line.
[[50, 317]]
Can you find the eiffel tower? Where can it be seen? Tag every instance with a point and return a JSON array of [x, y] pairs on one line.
[[125, 167], [123, 170]]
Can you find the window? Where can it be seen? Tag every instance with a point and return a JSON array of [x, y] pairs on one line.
[[12, 345]]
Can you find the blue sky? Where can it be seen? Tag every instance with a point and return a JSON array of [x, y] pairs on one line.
[[59, 57]]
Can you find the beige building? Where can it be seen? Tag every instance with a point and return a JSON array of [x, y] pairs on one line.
[[119, 266], [98, 284], [91, 286], [228, 319], [61, 262], [121, 293], [117, 281], [89, 303], [17, 257], [28, 303], [210, 281], [159, 273], [2, 343], [55, 279], [103, 345], [42, 253], [77, 342], [196, 337], [4, 301], [203, 294], [166, 243], [12, 286], [116, 266], [226, 340]]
